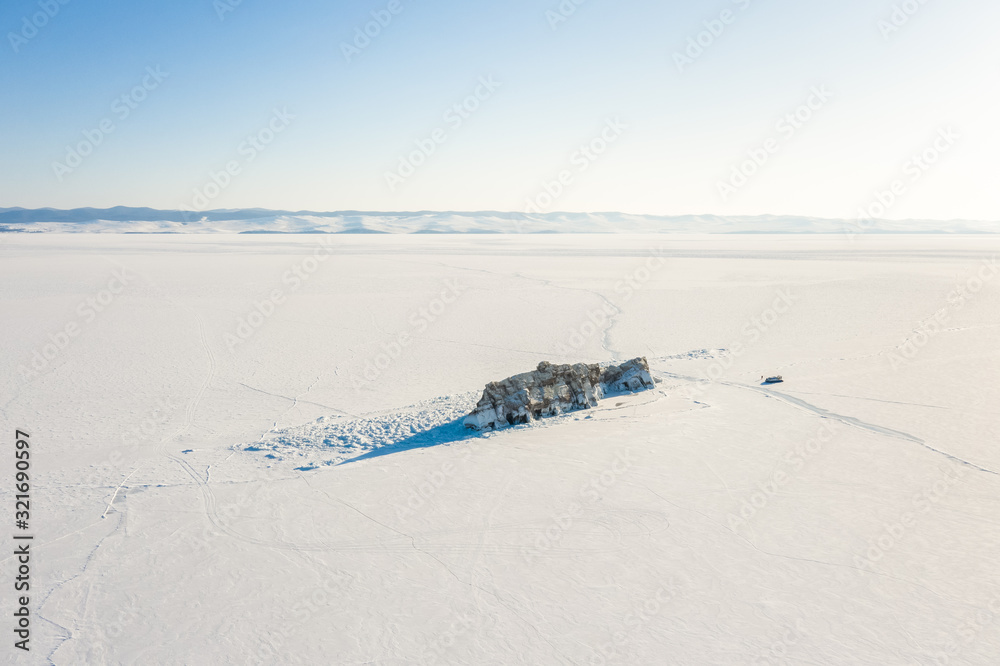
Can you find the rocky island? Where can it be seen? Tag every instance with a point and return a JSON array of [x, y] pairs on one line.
[[554, 389]]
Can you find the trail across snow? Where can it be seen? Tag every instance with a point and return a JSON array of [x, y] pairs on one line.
[[850, 420]]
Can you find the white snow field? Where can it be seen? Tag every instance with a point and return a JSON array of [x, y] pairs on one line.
[[246, 449]]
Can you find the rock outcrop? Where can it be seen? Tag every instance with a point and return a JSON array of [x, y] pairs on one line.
[[554, 389]]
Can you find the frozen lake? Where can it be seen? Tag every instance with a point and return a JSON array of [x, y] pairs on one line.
[[245, 449]]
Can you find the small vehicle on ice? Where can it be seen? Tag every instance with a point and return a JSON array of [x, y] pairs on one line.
[[773, 380]]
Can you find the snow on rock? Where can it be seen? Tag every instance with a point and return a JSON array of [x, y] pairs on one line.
[[553, 389], [549, 390]]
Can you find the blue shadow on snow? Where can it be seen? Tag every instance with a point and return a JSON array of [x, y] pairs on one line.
[[446, 433]]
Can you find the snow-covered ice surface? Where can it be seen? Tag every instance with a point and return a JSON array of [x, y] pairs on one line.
[[846, 516]]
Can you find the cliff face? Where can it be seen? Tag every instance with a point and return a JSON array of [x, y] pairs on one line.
[[554, 389]]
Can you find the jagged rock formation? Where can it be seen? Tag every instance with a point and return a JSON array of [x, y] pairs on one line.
[[554, 389]]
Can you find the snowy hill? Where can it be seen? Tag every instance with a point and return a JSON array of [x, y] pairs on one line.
[[257, 220]]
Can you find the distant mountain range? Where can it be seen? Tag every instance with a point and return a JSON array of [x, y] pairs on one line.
[[121, 219]]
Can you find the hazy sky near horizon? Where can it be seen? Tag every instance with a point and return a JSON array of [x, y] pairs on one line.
[[637, 106]]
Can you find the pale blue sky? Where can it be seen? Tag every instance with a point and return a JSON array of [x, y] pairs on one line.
[[684, 131]]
